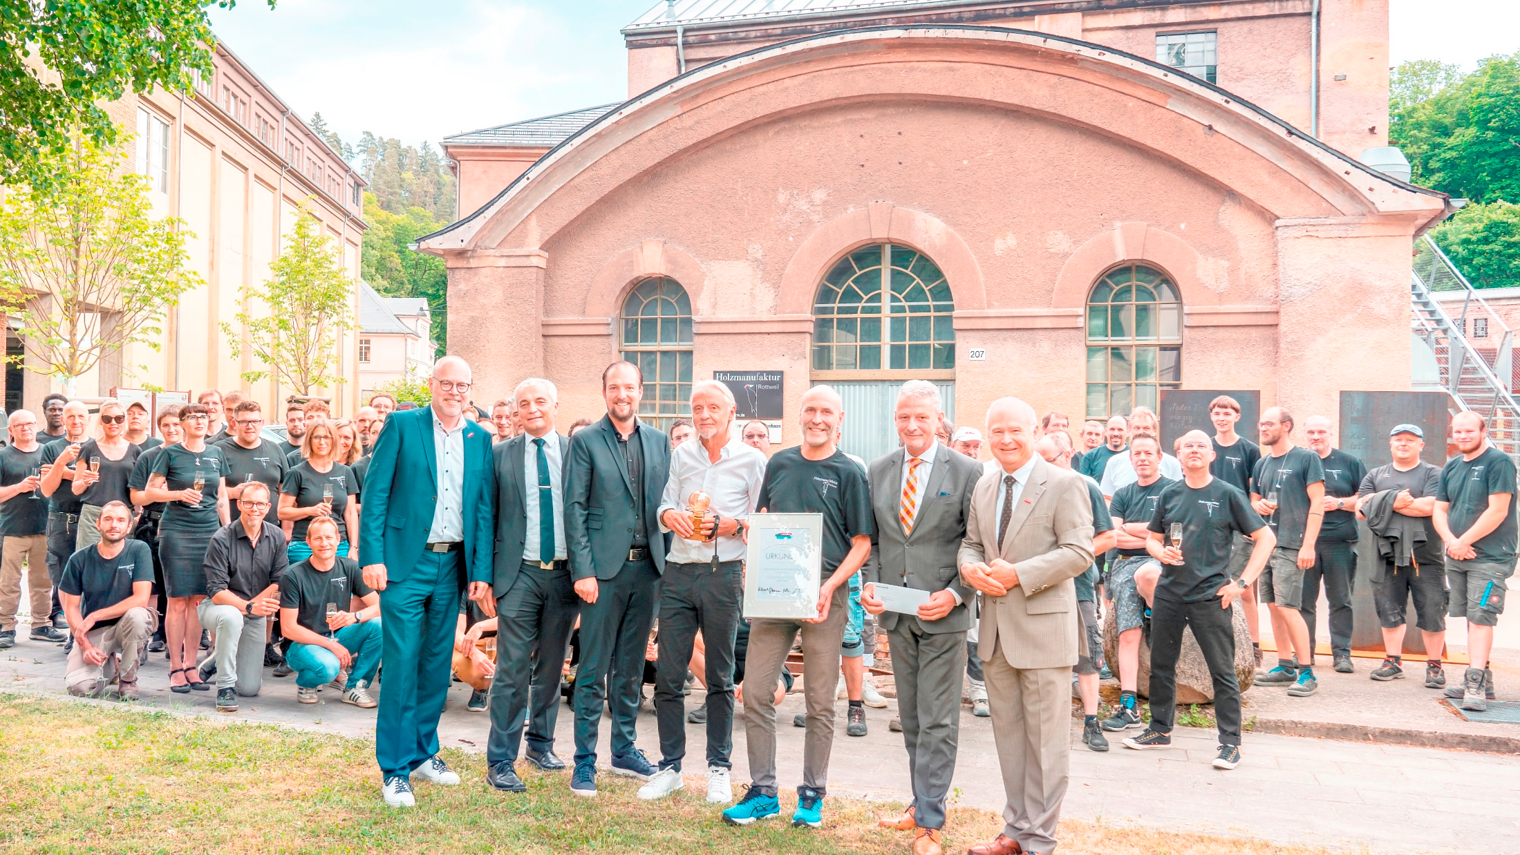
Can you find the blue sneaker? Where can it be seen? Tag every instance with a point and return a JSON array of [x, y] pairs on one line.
[[1279, 676], [755, 805], [634, 765], [584, 781], [809, 810]]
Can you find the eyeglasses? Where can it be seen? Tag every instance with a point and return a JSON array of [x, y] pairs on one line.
[[253, 506], [194, 416], [247, 422], [112, 420], [451, 386]]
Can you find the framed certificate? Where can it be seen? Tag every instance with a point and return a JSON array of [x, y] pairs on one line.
[[785, 562]]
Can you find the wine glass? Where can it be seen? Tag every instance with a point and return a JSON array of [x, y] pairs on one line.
[[199, 483], [332, 612], [1272, 500], [95, 465], [37, 490], [1176, 535], [327, 493]]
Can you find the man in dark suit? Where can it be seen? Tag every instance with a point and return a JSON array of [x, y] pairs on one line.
[[921, 495], [417, 546], [613, 483], [535, 603]]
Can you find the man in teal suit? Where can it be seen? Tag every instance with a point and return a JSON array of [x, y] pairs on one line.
[[425, 527]]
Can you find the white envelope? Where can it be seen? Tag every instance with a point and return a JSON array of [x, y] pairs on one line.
[[903, 600]]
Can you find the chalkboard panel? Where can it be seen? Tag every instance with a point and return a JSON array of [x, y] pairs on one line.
[[1183, 410], [757, 394], [1367, 417]]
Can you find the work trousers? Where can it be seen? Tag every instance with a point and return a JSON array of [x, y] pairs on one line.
[[419, 614], [1335, 564], [927, 668], [31, 550], [1214, 630], [122, 641], [239, 652], [533, 621], [698, 597], [614, 635], [61, 532], [317, 666]]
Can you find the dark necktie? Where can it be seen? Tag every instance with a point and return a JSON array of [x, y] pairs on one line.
[[545, 507], [1007, 515]]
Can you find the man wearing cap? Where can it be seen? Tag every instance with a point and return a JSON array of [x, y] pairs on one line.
[[1398, 501], [968, 441]]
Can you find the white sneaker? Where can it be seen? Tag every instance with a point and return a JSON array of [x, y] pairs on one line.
[[664, 782], [340, 682], [305, 695], [398, 792], [978, 690], [843, 693], [719, 790], [359, 697], [436, 771], [870, 696]]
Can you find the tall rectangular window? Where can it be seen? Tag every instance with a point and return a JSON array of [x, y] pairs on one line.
[[153, 149], [363, 350], [1195, 53]]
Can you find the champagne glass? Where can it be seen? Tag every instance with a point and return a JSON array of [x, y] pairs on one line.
[[1176, 535], [37, 490], [95, 465], [199, 483], [327, 493], [1272, 500], [332, 612]]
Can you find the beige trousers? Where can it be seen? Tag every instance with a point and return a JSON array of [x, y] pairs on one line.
[[1031, 726], [31, 550], [122, 642]]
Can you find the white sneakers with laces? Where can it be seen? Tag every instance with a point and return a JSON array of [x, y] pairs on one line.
[[870, 696], [719, 789], [359, 697], [437, 772], [662, 784], [397, 792]]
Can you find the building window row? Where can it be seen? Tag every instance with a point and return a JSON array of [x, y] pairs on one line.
[[153, 149]]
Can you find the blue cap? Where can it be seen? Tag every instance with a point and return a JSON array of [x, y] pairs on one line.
[[1407, 428]]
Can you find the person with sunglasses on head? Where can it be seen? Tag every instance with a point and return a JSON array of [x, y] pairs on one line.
[[245, 562], [147, 521], [102, 470], [320, 486], [188, 477]]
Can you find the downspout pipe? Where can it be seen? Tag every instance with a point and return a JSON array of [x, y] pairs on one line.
[[1314, 70], [670, 14]]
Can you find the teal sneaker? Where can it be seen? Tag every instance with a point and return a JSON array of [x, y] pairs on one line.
[[1305, 686], [809, 810], [755, 805], [1279, 676]]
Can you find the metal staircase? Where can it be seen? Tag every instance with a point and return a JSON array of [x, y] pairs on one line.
[[1476, 372]]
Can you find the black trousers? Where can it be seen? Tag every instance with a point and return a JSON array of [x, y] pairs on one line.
[[1213, 628], [1335, 564], [696, 597], [61, 532], [533, 621], [614, 634]]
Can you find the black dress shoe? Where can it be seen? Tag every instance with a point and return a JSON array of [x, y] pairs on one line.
[[502, 777], [545, 760]]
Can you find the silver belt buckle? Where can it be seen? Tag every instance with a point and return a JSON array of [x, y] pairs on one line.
[[633, 554], [440, 547]]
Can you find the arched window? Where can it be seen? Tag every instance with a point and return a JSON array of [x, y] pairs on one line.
[[656, 336], [860, 323], [1134, 340]]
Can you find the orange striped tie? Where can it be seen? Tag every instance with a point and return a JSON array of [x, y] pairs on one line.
[[909, 503]]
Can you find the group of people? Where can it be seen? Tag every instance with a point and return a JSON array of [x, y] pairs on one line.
[[440, 541]]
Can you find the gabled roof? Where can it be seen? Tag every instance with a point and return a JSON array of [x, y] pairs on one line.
[[545, 131], [375, 316], [718, 12], [406, 307]]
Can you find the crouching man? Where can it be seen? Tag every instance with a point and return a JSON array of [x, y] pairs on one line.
[[105, 589], [244, 564], [317, 616]]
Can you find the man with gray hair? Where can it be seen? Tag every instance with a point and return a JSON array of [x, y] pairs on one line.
[[703, 586]]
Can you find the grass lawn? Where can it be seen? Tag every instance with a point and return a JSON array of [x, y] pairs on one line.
[[79, 777]]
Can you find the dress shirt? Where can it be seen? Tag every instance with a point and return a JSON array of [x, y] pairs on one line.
[[1020, 478], [1121, 473], [733, 484], [632, 447], [448, 515], [236, 564], [531, 491]]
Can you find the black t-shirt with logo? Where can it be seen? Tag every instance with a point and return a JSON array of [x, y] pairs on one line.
[[102, 582], [23, 515], [1289, 476], [1466, 486], [180, 466], [63, 500], [1136, 504], [835, 487], [1343, 478], [308, 590], [1210, 515], [1421, 481], [263, 463], [308, 485], [114, 475], [1233, 464]]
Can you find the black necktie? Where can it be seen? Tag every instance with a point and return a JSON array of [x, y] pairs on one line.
[[1007, 515], [545, 507]]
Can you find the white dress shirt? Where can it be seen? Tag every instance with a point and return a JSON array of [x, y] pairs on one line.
[[1121, 473], [448, 515], [1020, 478], [733, 484], [532, 492]]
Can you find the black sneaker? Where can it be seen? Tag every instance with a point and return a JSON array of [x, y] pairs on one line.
[[1123, 718], [1343, 664], [7, 638], [272, 656], [1150, 740], [1435, 675], [205, 640], [283, 669], [47, 633], [157, 644], [1228, 757], [1391, 669], [855, 722], [477, 702], [698, 715], [799, 720], [1092, 736], [226, 700]]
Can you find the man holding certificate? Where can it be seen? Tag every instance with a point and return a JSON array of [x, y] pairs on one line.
[[921, 495], [815, 478]]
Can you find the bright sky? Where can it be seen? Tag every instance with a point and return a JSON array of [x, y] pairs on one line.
[[425, 70]]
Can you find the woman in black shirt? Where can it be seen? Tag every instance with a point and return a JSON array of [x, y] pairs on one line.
[[102, 471], [319, 486]]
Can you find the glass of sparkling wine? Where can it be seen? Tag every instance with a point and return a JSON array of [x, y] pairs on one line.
[[37, 491], [95, 465], [327, 493], [1176, 535], [332, 612], [199, 483]]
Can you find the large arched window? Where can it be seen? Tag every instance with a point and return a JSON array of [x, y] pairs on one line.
[[656, 336], [871, 316], [1134, 340]]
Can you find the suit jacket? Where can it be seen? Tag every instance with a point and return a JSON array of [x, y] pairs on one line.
[[928, 555], [599, 505], [512, 505], [1049, 542], [400, 495]]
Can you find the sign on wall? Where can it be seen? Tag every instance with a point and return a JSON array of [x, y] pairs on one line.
[[756, 393], [1367, 417], [1183, 410]]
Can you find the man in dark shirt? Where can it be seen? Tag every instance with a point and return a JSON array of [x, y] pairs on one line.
[[1196, 592], [1288, 488], [58, 458], [1235, 459], [295, 431], [328, 636], [105, 597], [244, 564], [250, 458], [1095, 462], [23, 524], [1414, 484], [1335, 550], [1475, 516]]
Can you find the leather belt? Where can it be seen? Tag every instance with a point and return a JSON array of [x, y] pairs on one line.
[[445, 546], [68, 518], [638, 553]]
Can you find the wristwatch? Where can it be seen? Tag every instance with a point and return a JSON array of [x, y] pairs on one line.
[[1241, 583], [248, 608], [1340, 504]]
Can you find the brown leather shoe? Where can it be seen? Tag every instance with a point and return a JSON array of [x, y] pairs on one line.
[[901, 822], [1003, 845], [926, 842]]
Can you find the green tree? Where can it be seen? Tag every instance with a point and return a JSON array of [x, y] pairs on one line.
[[390, 266], [1483, 241], [319, 127], [85, 266], [62, 59], [409, 388], [1464, 137], [403, 177], [293, 320]]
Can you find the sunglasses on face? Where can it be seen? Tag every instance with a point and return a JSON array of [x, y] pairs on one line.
[[112, 420]]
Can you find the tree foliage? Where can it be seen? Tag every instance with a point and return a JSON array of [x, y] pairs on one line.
[[409, 388], [1483, 241], [404, 177], [393, 269], [293, 319], [62, 60], [86, 268]]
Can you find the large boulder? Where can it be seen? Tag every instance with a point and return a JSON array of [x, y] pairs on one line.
[[1194, 686]]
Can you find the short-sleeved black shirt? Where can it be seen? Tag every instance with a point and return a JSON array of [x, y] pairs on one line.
[[1343, 478], [308, 590], [1136, 504], [292, 453], [1210, 516], [263, 463], [150, 443], [307, 485], [22, 515], [1421, 481], [143, 468], [1466, 486], [179, 466], [63, 500], [1289, 476], [1233, 464], [114, 475], [1095, 461], [835, 487], [100, 582]]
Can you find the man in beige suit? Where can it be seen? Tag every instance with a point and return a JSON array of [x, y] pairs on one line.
[[1030, 532]]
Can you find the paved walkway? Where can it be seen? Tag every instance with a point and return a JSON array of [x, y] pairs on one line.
[[1351, 795]]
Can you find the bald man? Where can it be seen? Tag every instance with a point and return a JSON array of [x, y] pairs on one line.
[[1029, 535], [1335, 550]]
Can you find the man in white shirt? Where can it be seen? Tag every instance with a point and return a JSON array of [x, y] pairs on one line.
[[1120, 472], [703, 586]]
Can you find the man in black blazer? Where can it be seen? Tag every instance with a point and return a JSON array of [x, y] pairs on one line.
[[613, 483], [535, 603]]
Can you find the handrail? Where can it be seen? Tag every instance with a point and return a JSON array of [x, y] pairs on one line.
[[1504, 336], [1501, 390]]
